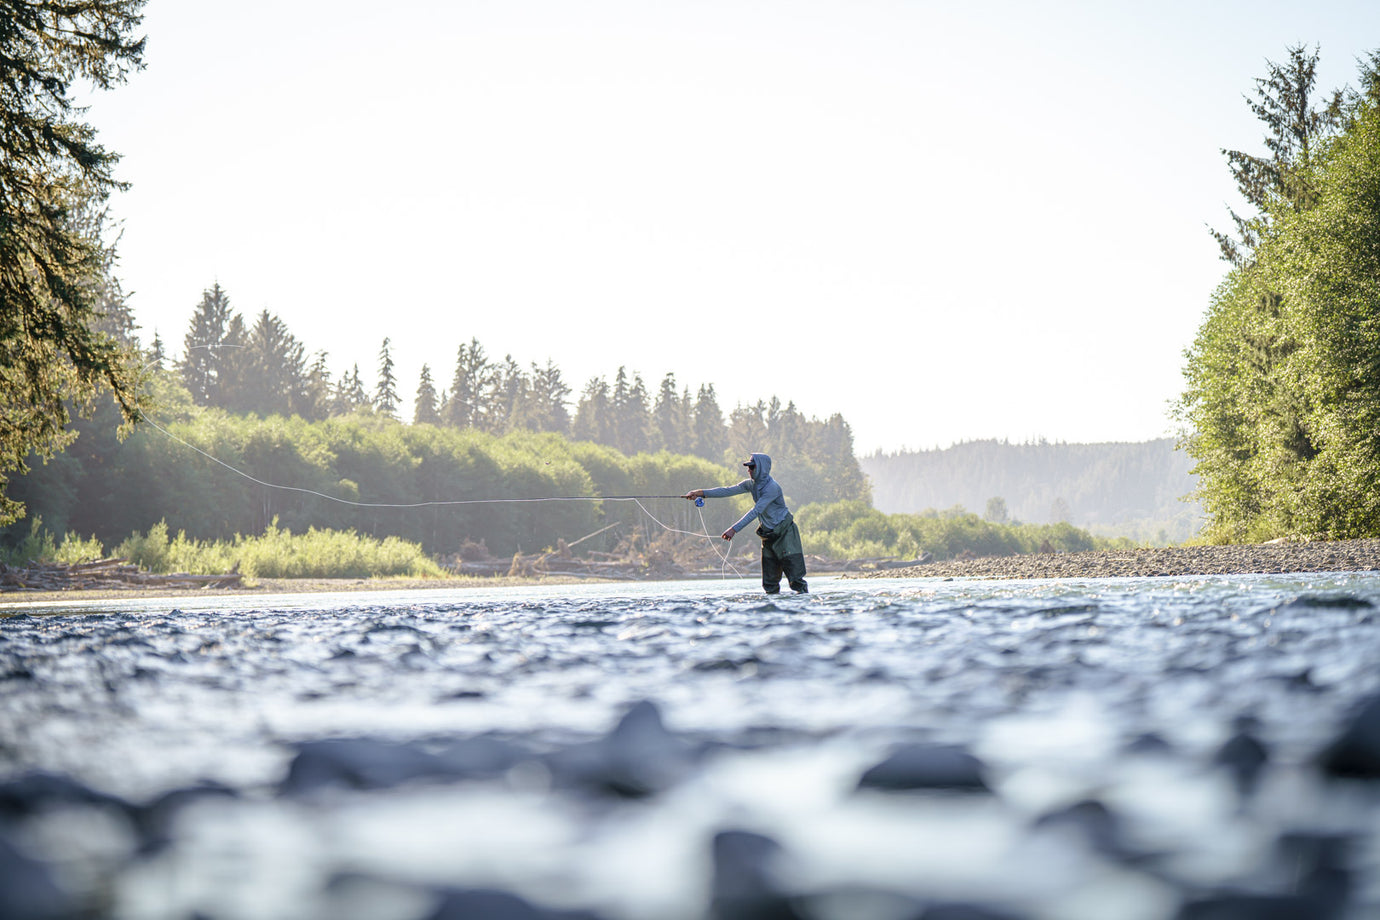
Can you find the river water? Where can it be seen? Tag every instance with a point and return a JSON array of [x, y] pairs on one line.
[[1128, 748]]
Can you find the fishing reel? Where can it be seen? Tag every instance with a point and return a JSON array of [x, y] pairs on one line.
[[699, 503]]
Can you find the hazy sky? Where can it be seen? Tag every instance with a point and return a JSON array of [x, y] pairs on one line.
[[946, 221]]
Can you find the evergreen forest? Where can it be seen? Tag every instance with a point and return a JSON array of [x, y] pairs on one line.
[[1281, 406]]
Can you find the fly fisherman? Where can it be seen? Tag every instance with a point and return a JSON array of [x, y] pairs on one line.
[[781, 550]]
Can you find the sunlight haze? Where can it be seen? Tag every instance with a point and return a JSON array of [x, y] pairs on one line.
[[944, 221]]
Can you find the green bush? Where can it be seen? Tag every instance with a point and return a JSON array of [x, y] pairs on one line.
[[40, 546], [279, 553], [855, 530], [157, 553], [330, 554]]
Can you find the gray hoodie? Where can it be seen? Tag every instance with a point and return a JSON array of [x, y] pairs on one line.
[[770, 502]]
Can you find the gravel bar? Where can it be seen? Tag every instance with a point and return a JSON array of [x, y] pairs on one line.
[[1237, 559]]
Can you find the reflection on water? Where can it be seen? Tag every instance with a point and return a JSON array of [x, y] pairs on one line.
[[1124, 748]]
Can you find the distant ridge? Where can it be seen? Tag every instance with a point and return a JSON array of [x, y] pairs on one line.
[[1133, 489]]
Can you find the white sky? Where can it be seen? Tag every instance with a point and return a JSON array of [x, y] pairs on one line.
[[946, 221]]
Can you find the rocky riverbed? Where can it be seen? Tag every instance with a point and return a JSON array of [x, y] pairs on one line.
[[1241, 559], [911, 749]]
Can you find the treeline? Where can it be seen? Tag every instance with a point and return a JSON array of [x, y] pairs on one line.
[[244, 398], [855, 530], [366, 494], [1282, 402], [263, 369], [216, 475], [1129, 489]]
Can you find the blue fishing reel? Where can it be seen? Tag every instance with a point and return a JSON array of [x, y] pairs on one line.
[[699, 503]]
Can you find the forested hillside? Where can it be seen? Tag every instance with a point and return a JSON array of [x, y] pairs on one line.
[[1127, 489]]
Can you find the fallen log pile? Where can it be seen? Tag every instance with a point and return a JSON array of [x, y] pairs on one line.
[[104, 573]]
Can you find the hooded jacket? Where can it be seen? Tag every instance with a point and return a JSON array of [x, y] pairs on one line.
[[770, 503]]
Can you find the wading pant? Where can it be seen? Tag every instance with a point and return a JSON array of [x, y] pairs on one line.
[[782, 553]]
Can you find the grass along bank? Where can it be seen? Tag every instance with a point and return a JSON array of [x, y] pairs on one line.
[[839, 531], [277, 553]]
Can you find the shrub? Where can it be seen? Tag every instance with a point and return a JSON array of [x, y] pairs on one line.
[[278, 553]]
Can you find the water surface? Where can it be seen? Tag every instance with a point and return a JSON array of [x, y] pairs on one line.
[[1120, 692]]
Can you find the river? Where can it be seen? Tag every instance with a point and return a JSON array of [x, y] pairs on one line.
[[1142, 749]]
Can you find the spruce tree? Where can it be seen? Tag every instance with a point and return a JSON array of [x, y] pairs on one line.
[[51, 267], [469, 387], [550, 398], [386, 396], [202, 364], [670, 418], [631, 418], [232, 367], [711, 435], [315, 397], [594, 414], [350, 395], [1294, 126], [511, 406], [274, 382], [426, 411]]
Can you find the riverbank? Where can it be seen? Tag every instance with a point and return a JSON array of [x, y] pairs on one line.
[[276, 586], [1248, 559], [1267, 558]]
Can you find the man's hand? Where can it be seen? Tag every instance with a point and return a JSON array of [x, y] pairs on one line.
[[728, 534], [693, 494]]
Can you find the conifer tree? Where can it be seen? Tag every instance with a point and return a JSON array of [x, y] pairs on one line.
[[426, 412], [511, 406], [51, 352], [232, 366], [711, 435], [686, 445], [386, 396], [350, 395], [469, 387], [274, 382], [202, 365], [594, 415], [549, 398], [631, 419], [316, 391], [1294, 127], [670, 417]]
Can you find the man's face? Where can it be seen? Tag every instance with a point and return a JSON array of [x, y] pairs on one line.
[[752, 469]]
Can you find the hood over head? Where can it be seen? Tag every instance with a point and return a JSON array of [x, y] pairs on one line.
[[763, 469]]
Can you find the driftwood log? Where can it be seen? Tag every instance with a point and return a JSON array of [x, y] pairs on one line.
[[105, 573]]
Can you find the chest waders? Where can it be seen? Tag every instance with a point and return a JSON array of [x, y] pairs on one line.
[[782, 554]]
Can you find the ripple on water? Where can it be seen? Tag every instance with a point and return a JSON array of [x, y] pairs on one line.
[[1129, 747]]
